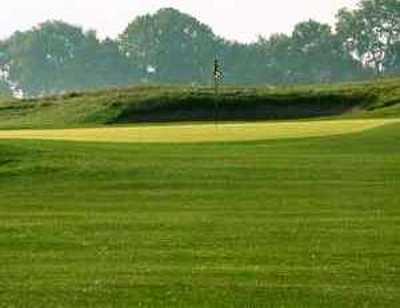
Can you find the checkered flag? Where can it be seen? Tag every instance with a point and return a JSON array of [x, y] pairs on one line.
[[218, 75]]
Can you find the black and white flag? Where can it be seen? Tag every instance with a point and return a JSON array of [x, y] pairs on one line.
[[218, 75]]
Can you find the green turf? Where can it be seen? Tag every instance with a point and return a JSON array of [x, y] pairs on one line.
[[202, 133], [283, 223], [155, 104]]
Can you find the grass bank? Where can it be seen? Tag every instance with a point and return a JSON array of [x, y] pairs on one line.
[[165, 104]]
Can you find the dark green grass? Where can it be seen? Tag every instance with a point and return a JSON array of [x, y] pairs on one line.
[[295, 223], [164, 104]]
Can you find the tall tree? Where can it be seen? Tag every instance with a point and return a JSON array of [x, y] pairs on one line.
[[5, 89], [242, 63], [371, 31], [320, 54], [170, 46], [98, 65], [276, 55], [391, 62], [55, 57], [311, 54], [39, 56]]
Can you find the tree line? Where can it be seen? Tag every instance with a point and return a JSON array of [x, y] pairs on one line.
[[175, 48]]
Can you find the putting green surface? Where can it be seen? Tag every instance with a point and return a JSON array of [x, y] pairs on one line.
[[202, 132]]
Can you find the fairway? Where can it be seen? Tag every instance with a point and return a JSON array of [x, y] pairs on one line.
[[305, 222], [202, 132], [162, 162]]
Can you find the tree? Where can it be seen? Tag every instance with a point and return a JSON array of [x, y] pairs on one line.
[[371, 32], [242, 62], [320, 55], [99, 64], [391, 62], [312, 54], [55, 57], [112, 67], [170, 46], [5, 89], [278, 58], [39, 56]]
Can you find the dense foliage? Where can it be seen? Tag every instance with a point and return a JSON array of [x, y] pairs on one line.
[[175, 48], [169, 47]]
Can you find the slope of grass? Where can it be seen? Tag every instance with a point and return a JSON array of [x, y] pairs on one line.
[[284, 223], [217, 132], [156, 104]]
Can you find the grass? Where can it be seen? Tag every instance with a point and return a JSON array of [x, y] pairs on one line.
[[202, 132], [163, 104], [307, 222], [283, 214]]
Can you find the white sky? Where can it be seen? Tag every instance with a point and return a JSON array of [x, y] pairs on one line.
[[241, 20]]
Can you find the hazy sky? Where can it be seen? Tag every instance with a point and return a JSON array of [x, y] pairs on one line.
[[241, 20]]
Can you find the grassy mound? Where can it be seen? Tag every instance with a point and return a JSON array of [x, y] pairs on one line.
[[158, 104]]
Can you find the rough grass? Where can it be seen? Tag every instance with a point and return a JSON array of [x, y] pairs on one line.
[[155, 104], [202, 132], [281, 223]]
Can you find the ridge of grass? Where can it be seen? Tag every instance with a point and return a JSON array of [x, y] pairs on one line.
[[377, 99]]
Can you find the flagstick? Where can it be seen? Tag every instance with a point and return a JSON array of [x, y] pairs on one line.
[[217, 76], [216, 102]]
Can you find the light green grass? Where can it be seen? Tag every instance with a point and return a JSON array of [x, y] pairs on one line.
[[202, 132], [285, 214], [310, 222]]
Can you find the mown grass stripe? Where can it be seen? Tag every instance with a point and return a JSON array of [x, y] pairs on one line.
[[202, 132]]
